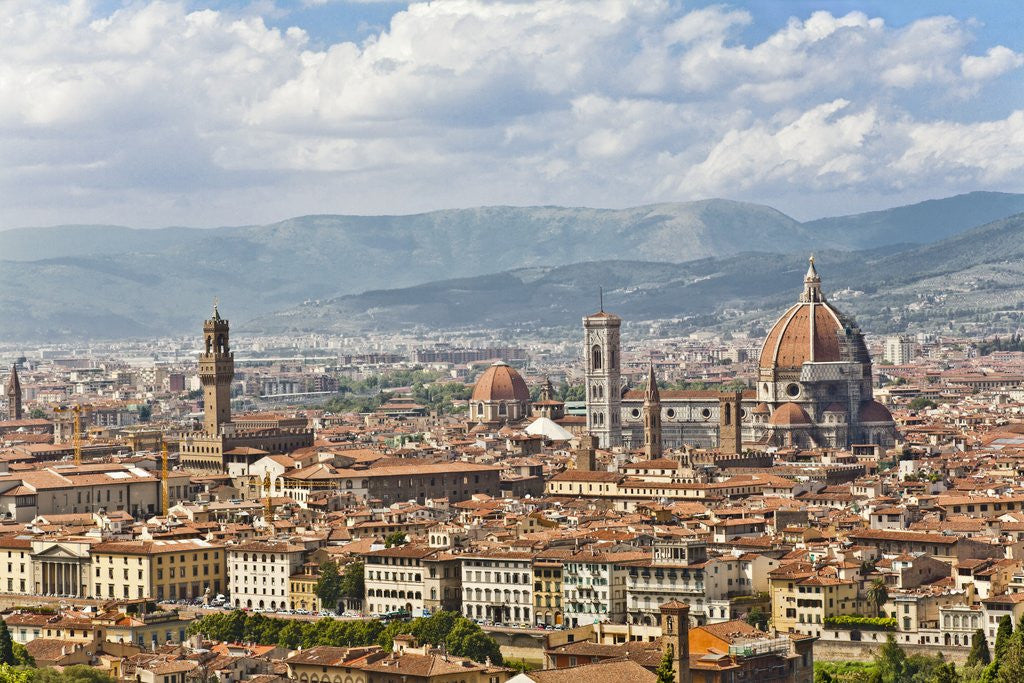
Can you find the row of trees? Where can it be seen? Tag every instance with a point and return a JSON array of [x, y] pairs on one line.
[[72, 674], [460, 636], [892, 665]]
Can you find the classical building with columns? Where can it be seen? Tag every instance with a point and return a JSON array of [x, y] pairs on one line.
[[91, 568], [61, 568]]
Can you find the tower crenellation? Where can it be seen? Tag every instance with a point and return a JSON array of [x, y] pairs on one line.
[[216, 370]]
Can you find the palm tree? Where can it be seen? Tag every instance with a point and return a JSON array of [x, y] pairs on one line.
[[878, 595]]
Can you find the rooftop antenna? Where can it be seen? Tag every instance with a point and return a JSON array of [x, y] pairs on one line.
[[600, 294]]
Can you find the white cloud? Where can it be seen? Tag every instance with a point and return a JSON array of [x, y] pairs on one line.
[[158, 113], [997, 61]]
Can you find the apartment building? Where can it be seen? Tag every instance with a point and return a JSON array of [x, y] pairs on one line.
[[259, 573], [594, 586], [803, 596], [158, 569], [498, 587], [547, 591]]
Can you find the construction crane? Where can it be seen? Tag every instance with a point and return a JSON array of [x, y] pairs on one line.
[[164, 487], [269, 515], [76, 437]]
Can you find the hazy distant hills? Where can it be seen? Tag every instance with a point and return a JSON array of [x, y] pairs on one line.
[[979, 273], [920, 223], [108, 281]]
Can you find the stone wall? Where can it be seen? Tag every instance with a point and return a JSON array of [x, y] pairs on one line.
[[844, 650]]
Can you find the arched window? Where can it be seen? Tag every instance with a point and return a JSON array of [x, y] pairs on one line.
[[595, 357], [611, 359], [209, 344], [728, 414], [221, 346]]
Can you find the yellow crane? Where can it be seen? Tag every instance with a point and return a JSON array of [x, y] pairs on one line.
[[270, 507], [76, 437], [165, 489]]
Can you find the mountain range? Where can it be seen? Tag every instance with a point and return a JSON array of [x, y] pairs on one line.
[[700, 262]]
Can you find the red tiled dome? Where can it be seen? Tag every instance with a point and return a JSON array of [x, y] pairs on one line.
[[500, 382], [812, 330], [788, 345], [873, 411], [788, 415]]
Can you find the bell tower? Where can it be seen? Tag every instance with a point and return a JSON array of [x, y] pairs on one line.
[[14, 395], [675, 637], [216, 370], [604, 389], [652, 417]]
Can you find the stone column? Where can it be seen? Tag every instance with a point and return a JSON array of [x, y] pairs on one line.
[[61, 568]]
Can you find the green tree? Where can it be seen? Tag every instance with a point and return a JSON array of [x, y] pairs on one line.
[[22, 657], [352, 580], [37, 414], [479, 647], [822, 676], [392, 540], [979, 649], [519, 665], [945, 673], [79, 673], [665, 672], [435, 628], [291, 635], [878, 595], [6, 645], [1011, 664], [9, 674], [1003, 634], [920, 403], [757, 618], [891, 661], [328, 586]]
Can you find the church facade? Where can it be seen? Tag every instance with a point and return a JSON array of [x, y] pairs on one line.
[[814, 389]]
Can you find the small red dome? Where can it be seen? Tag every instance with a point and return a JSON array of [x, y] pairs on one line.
[[789, 415], [500, 382], [873, 411]]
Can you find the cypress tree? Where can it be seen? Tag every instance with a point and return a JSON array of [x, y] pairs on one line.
[[6, 645], [979, 649]]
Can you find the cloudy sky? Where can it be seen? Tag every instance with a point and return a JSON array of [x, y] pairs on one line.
[[213, 113]]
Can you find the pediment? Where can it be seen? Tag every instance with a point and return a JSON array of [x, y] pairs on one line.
[[57, 552]]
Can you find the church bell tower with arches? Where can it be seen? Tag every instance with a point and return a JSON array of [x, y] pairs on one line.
[[604, 389]]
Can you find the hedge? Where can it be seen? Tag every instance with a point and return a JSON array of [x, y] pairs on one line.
[[859, 621]]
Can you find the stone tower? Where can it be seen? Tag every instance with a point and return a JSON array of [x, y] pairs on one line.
[[730, 427], [652, 417], [604, 389], [675, 633], [216, 370], [14, 395], [586, 456]]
